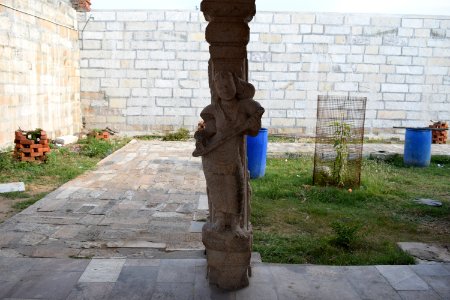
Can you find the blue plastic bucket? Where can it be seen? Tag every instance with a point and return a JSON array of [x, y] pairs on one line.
[[417, 147], [257, 153]]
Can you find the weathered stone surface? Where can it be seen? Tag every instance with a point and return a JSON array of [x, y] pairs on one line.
[[184, 278], [133, 219], [426, 252], [379, 287], [102, 270], [220, 142], [429, 202], [419, 295], [45, 284], [135, 283], [382, 155], [66, 139], [136, 244], [196, 226], [311, 282], [12, 187], [228, 257], [83, 291], [176, 271], [402, 278]]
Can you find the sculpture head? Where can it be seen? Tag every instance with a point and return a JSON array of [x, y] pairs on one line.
[[225, 86], [229, 86]]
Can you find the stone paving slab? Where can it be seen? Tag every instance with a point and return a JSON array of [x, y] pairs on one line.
[[103, 270], [276, 149], [114, 278], [403, 278], [144, 196]]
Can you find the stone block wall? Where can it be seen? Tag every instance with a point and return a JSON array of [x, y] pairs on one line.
[[400, 63], [39, 68], [143, 71], [146, 71]]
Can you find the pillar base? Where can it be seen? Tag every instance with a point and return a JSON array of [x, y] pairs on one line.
[[228, 257]]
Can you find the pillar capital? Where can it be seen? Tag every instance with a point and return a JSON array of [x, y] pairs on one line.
[[228, 34], [228, 10]]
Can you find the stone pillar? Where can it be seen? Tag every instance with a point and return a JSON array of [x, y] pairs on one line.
[[228, 34], [231, 115]]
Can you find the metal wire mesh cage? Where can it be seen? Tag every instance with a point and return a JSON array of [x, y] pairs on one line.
[[339, 140]]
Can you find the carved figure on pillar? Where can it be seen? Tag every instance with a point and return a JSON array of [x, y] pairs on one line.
[[220, 142], [227, 235]]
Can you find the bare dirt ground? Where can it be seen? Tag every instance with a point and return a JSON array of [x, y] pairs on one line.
[[31, 190]]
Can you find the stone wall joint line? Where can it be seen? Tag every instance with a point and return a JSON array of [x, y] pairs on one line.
[[38, 17]]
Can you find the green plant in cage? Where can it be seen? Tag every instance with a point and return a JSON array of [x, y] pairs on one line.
[[341, 138]]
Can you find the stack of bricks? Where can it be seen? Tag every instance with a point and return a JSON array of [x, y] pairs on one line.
[[82, 5], [31, 150], [99, 135], [439, 136], [104, 135]]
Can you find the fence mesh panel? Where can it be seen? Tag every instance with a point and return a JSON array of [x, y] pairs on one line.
[[339, 140]]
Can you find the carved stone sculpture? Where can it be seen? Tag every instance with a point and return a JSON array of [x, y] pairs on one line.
[[220, 142]]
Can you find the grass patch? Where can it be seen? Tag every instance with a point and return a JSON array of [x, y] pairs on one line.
[[148, 137], [100, 148], [62, 165], [295, 222], [16, 195], [274, 138], [383, 141], [21, 205]]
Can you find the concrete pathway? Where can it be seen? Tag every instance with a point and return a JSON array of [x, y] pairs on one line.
[[139, 214]]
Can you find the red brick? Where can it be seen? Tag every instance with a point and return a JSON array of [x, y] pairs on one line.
[[24, 142], [82, 5], [28, 159]]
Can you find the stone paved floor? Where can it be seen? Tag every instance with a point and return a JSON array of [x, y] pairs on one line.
[[282, 148], [178, 279], [133, 213], [142, 201]]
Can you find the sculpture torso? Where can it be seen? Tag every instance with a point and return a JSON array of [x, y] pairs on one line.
[[225, 159]]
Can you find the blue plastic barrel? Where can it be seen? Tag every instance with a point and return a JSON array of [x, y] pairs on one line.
[[257, 153], [417, 147]]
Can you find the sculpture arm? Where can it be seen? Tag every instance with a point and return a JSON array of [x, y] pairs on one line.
[[253, 123], [209, 127]]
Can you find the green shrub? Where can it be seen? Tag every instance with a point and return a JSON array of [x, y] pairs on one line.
[[6, 161], [93, 147], [181, 134], [346, 234]]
